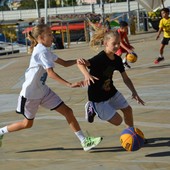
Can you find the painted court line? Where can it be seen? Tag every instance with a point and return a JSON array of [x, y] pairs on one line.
[[84, 160], [6, 65], [143, 74], [146, 124], [20, 82]]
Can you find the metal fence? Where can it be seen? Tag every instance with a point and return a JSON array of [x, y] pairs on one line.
[[34, 13]]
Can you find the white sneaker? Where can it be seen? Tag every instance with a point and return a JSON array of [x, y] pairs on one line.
[[90, 142]]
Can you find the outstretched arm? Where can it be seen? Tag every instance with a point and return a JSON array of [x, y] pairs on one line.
[[65, 63], [127, 40], [82, 65], [126, 48], [126, 45], [52, 74], [130, 85]]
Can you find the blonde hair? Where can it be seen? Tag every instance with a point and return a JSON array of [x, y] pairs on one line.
[[33, 35], [101, 35]]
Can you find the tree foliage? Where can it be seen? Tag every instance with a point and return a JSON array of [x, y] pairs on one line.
[[30, 4], [9, 32]]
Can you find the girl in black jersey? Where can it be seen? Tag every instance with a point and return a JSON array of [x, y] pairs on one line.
[[104, 98]]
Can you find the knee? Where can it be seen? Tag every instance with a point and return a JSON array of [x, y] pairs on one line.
[[130, 109], [27, 124], [127, 110], [118, 122]]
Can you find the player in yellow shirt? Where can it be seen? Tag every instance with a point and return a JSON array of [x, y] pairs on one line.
[[164, 25]]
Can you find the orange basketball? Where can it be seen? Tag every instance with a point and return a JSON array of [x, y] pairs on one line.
[[132, 139], [132, 57]]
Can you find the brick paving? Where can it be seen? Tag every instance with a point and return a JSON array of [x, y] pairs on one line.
[[50, 144]]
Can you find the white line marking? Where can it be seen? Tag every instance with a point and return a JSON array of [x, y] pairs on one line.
[[148, 124], [142, 74], [20, 82], [85, 160], [6, 65], [80, 119]]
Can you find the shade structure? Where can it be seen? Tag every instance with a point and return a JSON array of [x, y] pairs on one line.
[[150, 5], [27, 30], [75, 26]]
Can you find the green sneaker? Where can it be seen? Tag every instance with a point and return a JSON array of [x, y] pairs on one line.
[[1, 137], [90, 142]]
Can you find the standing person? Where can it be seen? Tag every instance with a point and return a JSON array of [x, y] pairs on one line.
[[132, 25], [107, 23], [57, 40], [164, 25], [104, 98], [35, 92], [125, 46]]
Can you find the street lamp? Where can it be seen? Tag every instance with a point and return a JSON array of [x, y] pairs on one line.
[[102, 10], [46, 11], [36, 4], [128, 14]]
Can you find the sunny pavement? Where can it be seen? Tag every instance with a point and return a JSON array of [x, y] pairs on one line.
[[50, 144]]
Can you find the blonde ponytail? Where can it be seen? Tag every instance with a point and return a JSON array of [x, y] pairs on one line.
[[33, 35]]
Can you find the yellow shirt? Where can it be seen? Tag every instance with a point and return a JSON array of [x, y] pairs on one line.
[[165, 24]]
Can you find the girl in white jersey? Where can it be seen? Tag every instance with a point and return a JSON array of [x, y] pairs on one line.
[[35, 92]]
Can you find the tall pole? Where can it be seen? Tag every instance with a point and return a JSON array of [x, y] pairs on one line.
[[62, 3], [128, 14], [46, 11], [102, 10], [36, 4], [128, 5], [138, 18], [163, 3]]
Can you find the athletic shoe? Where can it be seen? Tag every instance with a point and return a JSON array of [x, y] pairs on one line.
[[90, 142], [90, 112], [126, 64], [159, 59], [1, 137]]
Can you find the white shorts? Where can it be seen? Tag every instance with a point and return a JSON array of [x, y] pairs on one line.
[[107, 109], [29, 107]]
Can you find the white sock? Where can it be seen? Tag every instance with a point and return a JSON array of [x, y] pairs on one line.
[[124, 60], [3, 130], [161, 56], [80, 135]]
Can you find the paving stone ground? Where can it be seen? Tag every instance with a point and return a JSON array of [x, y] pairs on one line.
[[50, 144]]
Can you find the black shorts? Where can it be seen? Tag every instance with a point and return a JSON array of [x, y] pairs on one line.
[[165, 41]]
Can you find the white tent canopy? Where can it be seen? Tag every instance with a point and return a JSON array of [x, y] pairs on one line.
[[150, 5]]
